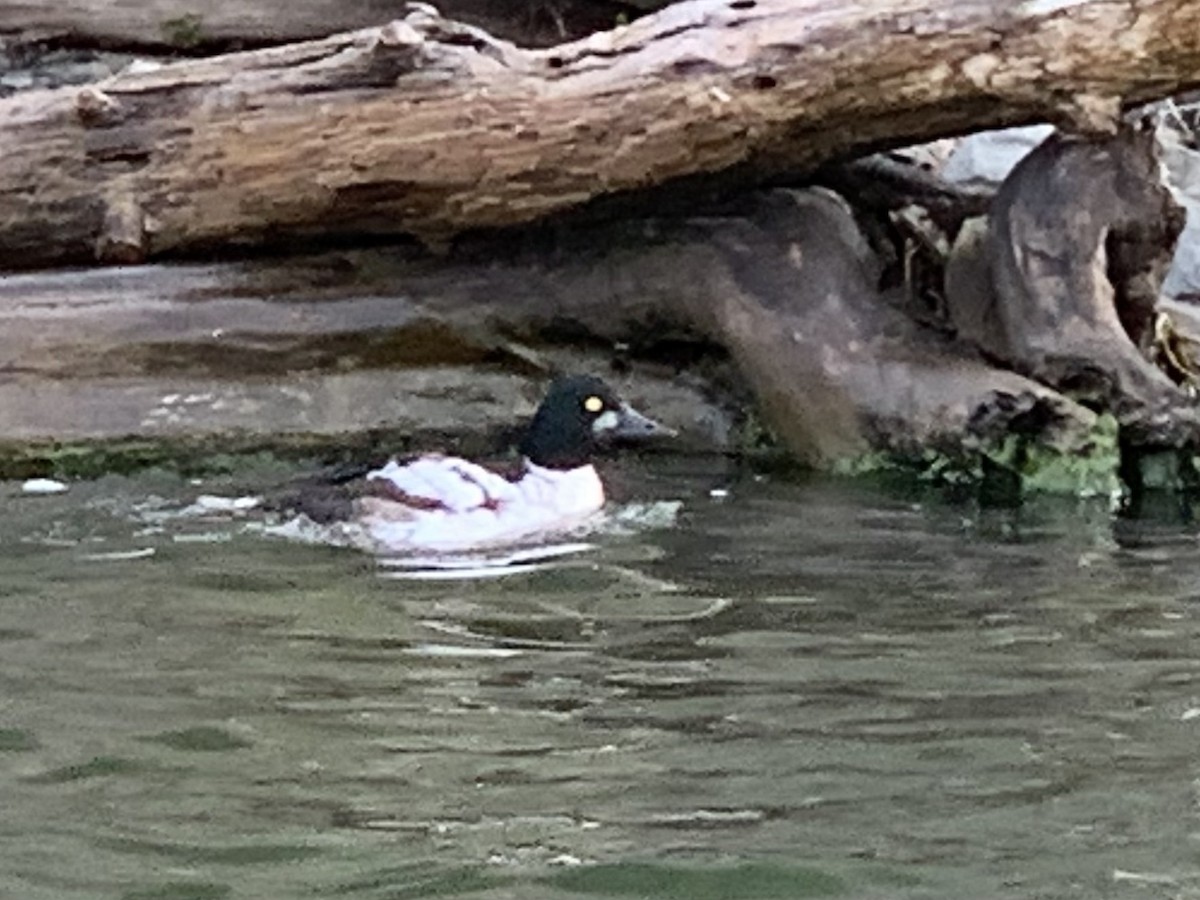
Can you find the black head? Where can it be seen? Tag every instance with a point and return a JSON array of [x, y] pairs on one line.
[[579, 413]]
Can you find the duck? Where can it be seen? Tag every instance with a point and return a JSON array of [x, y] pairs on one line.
[[437, 503]]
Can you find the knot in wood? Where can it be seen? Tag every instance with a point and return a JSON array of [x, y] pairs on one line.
[[94, 107], [399, 33]]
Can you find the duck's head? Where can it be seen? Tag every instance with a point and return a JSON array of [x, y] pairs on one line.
[[580, 413]]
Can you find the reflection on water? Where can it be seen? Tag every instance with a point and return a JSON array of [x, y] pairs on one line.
[[800, 689]]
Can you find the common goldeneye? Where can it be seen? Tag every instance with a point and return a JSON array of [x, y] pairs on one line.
[[445, 504]]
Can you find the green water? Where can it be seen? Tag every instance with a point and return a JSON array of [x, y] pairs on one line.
[[802, 689]]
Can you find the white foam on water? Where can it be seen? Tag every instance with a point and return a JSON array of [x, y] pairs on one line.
[[631, 517], [120, 555], [462, 573], [455, 651], [212, 504], [493, 561], [519, 556], [44, 486]]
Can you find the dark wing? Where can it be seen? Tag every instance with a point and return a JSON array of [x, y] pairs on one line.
[[321, 502], [325, 496], [326, 503]]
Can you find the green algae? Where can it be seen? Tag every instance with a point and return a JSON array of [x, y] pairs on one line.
[[1090, 469], [1012, 465], [185, 32], [194, 456], [16, 740]]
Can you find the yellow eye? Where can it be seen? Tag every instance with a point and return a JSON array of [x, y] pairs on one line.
[[593, 404]]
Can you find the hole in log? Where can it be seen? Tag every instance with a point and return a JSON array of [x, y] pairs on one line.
[[763, 82], [694, 65], [743, 4], [555, 62]]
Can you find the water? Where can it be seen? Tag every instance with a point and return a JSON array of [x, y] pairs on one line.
[[803, 689]]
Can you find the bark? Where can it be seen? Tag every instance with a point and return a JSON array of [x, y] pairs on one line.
[[427, 128]]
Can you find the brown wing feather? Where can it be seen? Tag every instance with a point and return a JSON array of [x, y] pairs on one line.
[[387, 490], [329, 503]]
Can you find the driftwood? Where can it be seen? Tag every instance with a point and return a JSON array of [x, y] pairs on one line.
[[838, 370], [787, 285], [428, 128], [1063, 281]]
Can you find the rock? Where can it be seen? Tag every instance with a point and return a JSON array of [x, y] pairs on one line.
[[32, 68], [987, 157], [1183, 174], [406, 408]]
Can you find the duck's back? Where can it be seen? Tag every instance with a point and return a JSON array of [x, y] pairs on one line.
[[444, 482], [444, 503]]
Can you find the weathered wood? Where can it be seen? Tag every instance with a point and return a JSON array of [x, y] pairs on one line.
[[427, 128], [1063, 282], [838, 369]]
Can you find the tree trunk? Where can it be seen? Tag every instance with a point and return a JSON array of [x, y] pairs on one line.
[[428, 128]]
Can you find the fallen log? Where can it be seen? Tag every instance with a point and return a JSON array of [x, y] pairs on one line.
[[428, 128]]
